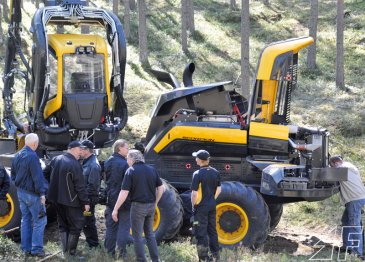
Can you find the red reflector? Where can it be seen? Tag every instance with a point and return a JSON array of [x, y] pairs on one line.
[[102, 119], [228, 167], [188, 166]]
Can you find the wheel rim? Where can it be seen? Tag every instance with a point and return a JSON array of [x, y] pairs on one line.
[[231, 222], [156, 220], [4, 220]]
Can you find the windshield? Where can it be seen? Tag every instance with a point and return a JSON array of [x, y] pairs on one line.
[[83, 73]]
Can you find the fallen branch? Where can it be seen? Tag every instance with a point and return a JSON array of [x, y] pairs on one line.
[[8, 231], [50, 256]]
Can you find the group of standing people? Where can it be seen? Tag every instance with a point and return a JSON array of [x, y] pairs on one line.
[[72, 187]]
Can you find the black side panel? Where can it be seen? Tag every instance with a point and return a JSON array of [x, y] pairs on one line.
[[185, 148], [267, 146]]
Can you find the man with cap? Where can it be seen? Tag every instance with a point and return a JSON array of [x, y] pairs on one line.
[[142, 182], [67, 191], [205, 187], [117, 233], [91, 171]]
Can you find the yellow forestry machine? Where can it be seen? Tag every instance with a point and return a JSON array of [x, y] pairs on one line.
[[70, 93]]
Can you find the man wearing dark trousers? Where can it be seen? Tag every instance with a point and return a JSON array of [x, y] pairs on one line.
[[26, 172], [206, 186], [91, 171], [67, 191], [142, 182], [117, 233]]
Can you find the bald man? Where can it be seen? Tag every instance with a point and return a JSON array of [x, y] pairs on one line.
[[26, 172]]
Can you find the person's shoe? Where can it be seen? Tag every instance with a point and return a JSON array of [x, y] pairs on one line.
[[26, 253]]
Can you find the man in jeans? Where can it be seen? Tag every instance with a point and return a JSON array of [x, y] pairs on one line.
[[117, 233], [352, 195], [141, 182], [26, 172]]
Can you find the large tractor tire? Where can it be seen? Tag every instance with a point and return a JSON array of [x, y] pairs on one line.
[[242, 216], [188, 212], [169, 214], [13, 216], [276, 210]]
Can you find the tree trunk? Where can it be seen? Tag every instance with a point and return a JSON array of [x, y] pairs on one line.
[[85, 29], [245, 48], [311, 57], [115, 7], [340, 76], [233, 4], [127, 18], [6, 12], [132, 4], [1, 29], [191, 22], [266, 2], [184, 26], [60, 29], [37, 4], [142, 32]]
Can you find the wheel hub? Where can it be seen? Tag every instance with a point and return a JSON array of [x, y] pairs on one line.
[[230, 221]]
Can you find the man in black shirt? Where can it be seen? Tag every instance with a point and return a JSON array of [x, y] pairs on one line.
[[141, 182], [117, 233], [67, 191], [91, 171], [206, 186]]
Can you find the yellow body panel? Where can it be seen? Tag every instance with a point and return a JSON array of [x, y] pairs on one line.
[[269, 90], [270, 53], [208, 134], [66, 44], [269, 131]]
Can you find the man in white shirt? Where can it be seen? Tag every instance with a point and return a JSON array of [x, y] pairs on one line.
[[352, 194]]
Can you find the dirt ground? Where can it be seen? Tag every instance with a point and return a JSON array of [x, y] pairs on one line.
[[292, 240]]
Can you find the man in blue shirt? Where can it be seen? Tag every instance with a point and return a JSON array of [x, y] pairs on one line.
[[91, 171], [117, 233], [26, 172], [205, 187]]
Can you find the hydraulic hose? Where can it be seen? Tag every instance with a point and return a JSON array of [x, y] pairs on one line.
[[40, 118]]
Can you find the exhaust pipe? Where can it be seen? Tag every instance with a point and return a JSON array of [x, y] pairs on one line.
[[188, 75]]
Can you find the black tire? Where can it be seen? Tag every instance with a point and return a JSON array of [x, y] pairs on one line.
[[188, 212], [242, 216], [171, 214], [12, 219], [276, 210]]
